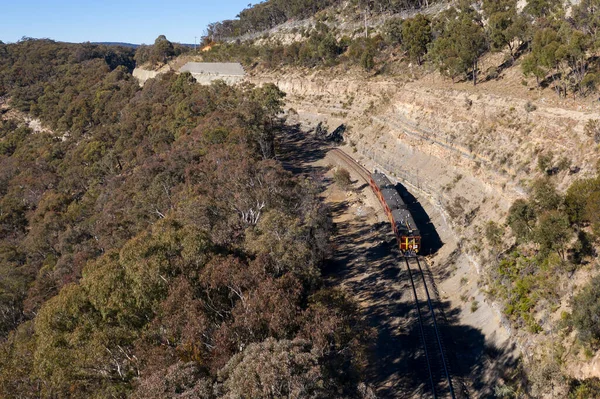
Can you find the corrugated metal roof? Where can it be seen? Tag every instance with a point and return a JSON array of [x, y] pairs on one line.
[[405, 221], [392, 198], [381, 180], [214, 68]]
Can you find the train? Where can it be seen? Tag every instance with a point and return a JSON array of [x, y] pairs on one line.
[[404, 227]]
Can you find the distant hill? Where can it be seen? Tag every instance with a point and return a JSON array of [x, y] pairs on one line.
[[135, 45], [118, 44]]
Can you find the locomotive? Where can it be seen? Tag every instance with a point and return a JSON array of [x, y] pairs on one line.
[[403, 224]]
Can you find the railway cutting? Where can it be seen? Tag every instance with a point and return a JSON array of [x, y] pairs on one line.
[[408, 244], [376, 262]]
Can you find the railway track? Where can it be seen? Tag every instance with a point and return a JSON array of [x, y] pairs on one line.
[[351, 162], [436, 359], [435, 353]]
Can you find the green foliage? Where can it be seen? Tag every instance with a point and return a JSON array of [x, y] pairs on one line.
[[459, 44], [159, 53], [542, 8], [562, 53], [548, 227], [586, 16], [544, 196], [505, 24], [553, 232], [158, 237], [494, 233], [584, 389], [521, 218], [520, 289], [362, 52], [586, 305], [416, 37], [276, 369], [392, 28], [579, 198], [367, 60], [268, 14]]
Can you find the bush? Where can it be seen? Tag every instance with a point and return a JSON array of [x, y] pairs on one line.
[[586, 308], [545, 161], [592, 130], [342, 178], [529, 107], [585, 389]]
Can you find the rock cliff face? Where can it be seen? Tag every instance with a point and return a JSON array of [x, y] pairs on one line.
[[204, 73], [471, 150], [142, 75]]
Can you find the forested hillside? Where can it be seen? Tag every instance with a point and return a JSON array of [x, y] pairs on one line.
[[552, 41], [268, 14], [469, 71], [150, 246]]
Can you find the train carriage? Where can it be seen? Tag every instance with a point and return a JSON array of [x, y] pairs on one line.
[[403, 225]]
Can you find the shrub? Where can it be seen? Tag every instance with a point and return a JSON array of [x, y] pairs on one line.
[[545, 161], [586, 308], [342, 178], [529, 107], [592, 130], [585, 389]]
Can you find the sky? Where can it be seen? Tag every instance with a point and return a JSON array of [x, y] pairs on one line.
[[130, 21]]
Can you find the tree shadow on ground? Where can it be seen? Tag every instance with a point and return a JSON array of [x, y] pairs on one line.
[[297, 151]]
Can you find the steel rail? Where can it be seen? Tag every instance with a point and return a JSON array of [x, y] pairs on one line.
[[361, 170], [435, 328], [422, 328]]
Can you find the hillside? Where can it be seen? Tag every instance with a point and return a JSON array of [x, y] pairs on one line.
[[189, 241], [509, 163], [150, 244]]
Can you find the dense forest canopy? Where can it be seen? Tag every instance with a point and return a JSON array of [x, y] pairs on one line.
[[150, 245]]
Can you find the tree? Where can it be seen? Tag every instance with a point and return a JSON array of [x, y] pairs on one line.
[[494, 233], [458, 48], [588, 388], [542, 8], [543, 58], [553, 232], [393, 30], [163, 49], [521, 218], [573, 58], [577, 199], [416, 36], [275, 369], [367, 60], [544, 196], [505, 24], [586, 15], [592, 211]]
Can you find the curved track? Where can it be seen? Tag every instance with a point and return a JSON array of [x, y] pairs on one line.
[[355, 166], [436, 359]]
